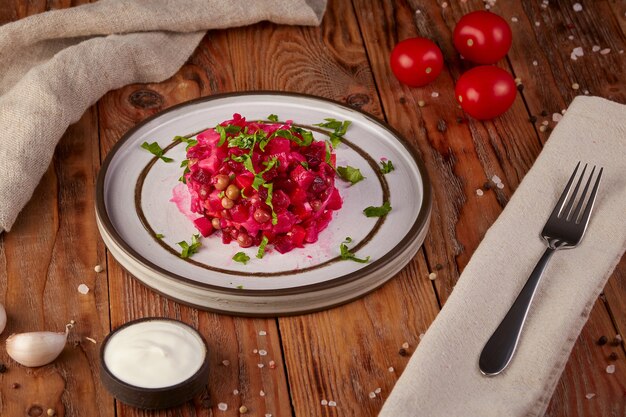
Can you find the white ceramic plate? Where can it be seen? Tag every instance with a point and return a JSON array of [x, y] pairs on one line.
[[135, 189]]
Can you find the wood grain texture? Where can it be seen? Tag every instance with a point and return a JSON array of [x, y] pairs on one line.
[[53, 249]]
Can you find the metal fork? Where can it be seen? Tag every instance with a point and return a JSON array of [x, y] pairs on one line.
[[564, 229]]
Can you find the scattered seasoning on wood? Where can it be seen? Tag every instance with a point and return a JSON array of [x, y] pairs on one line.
[[441, 125], [602, 340], [520, 87], [83, 289], [595, 48], [324, 402], [92, 340], [479, 192], [432, 276], [421, 336], [613, 356], [391, 369], [272, 365], [610, 369], [98, 268], [434, 94], [421, 103], [50, 412], [332, 404], [500, 185], [268, 415], [15, 385], [532, 119], [545, 122], [577, 7], [542, 128], [605, 51], [590, 395], [372, 395], [377, 390], [535, 63], [262, 333], [225, 362], [402, 352], [262, 352], [3, 368], [235, 392], [222, 406], [617, 340], [438, 267], [514, 19], [243, 409], [255, 351], [405, 345], [537, 23], [260, 365], [262, 393]]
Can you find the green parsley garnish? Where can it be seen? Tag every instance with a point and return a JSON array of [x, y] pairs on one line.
[[339, 129], [351, 174], [159, 235], [240, 287], [347, 255], [190, 248], [272, 118], [262, 246], [190, 142], [328, 152], [156, 150], [241, 257], [386, 166], [225, 130], [268, 200], [372, 211], [184, 164]]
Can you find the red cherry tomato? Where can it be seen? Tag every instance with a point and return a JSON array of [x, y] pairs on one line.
[[416, 61], [485, 92], [482, 37]]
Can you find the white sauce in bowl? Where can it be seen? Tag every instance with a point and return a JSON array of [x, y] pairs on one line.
[[155, 353]]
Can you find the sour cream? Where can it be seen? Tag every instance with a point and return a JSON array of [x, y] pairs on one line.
[[155, 353]]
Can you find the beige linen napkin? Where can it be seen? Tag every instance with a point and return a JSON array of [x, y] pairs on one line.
[[442, 378], [54, 65]]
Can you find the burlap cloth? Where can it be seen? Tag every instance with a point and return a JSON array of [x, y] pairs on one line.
[[54, 65]]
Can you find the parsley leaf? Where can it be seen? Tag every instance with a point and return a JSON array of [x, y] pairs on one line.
[[262, 246], [386, 166], [241, 257], [184, 164], [328, 152], [268, 201], [190, 248], [351, 174], [339, 129], [372, 211], [347, 255], [190, 142], [225, 130], [307, 136], [258, 178], [159, 235], [156, 150], [272, 118]]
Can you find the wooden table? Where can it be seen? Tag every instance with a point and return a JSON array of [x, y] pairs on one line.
[[345, 353]]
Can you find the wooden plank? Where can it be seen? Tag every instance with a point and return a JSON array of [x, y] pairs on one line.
[[345, 353], [230, 339], [51, 250]]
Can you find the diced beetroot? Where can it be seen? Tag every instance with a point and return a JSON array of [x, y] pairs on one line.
[[302, 177], [302, 201], [334, 202], [203, 224]]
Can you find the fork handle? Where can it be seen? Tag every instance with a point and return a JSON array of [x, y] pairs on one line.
[[500, 347]]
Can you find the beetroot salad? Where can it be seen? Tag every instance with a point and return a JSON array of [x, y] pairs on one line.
[[261, 183]]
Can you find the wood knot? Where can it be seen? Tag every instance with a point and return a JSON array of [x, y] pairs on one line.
[[146, 99], [35, 411], [358, 100]]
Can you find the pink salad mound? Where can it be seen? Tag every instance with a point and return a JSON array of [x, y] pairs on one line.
[[261, 183]]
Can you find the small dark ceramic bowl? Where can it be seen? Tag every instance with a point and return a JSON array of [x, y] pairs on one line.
[[154, 398]]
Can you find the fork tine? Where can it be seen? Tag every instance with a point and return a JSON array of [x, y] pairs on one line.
[[592, 198], [561, 202], [566, 213], [574, 215]]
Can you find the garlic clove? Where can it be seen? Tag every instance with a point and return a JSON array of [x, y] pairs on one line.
[[3, 318], [36, 348]]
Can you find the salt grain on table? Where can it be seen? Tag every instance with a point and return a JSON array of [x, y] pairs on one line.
[[98, 268], [372, 395], [262, 352], [556, 117], [405, 345], [391, 369], [83, 289], [260, 365], [595, 48], [514, 19], [324, 402], [577, 7], [222, 406], [377, 390], [535, 63], [435, 94], [605, 51], [225, 362], [332, 404], [610, 369], [537, 23], [479, 192], [262, 393], [590, 395], [262, 333], [500, 185]]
